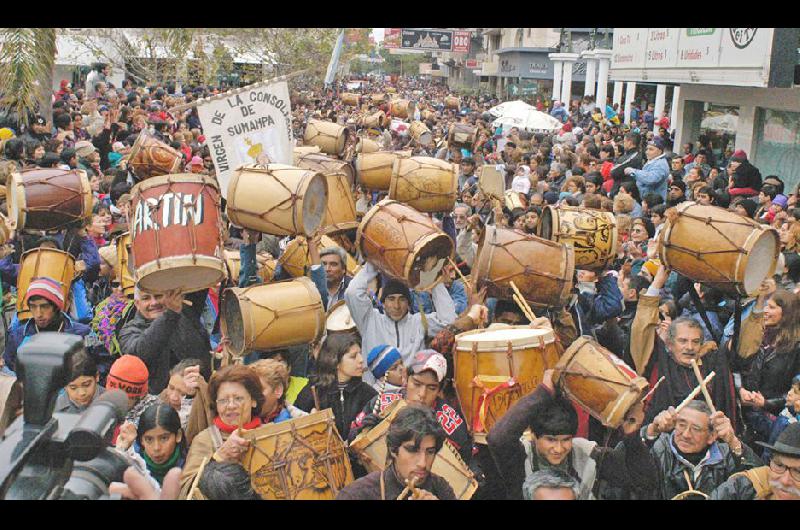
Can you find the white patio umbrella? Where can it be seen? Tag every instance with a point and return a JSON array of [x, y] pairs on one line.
[[510, 107], [532, 120]]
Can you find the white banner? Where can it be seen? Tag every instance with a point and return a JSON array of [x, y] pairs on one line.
[[250, 127]]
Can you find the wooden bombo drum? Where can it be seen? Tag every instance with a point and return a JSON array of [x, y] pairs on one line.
[[592, 234], [48, 198], [541, 269], [176, 234], [277, 199], [404, 243], [150, 157]]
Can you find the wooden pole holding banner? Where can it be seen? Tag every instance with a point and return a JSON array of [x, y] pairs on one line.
[[235, 91]]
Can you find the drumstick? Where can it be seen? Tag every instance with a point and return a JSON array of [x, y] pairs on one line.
[[196, 480], [652, 391], [241, 420], [522, 299], [521, 305], [408, 489], [703, 388], [458, 271], [694, 392], [188, 302]]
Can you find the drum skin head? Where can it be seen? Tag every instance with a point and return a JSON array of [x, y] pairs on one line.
[[546, 224], [231, 313], [314, 202], [761, 262]]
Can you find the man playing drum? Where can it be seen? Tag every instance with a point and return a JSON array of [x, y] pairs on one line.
[[672, 356], [423, 386], [695, 445], [413, 440], [397, 326]]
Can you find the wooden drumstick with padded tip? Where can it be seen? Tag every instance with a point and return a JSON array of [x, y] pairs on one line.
[[703, 388], [694, 392]]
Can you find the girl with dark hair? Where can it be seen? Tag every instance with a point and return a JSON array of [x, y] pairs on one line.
[[33, 152], [767, 375], [160, 440], [337, 382]]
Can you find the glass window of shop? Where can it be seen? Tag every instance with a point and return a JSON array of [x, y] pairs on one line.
[[718, 130], [776, 146]]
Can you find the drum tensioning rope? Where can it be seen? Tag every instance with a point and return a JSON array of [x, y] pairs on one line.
[[293, 196], [46, 181], [276, 315], [328, 135], [700, 255], [280, 461]]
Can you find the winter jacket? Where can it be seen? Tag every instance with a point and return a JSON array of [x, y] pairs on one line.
[[19, 335], [514, 455], [346, 403], [749, 485], [771, 374], [408, 334], [170, 338], [718, 464], [369, 487], [653, 176], [631, 158]]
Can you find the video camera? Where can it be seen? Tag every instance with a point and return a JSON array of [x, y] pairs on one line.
[[46, 455]]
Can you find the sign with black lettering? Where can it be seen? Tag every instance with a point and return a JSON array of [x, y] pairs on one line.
[[251, 126]]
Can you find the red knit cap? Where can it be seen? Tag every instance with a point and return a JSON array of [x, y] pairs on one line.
[[129, 374], [47, 288]]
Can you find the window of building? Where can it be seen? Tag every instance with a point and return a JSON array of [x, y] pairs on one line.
[[776, 147], [718, 125]]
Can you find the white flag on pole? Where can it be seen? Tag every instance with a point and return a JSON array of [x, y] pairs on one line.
[[330, 75], [253, 126]]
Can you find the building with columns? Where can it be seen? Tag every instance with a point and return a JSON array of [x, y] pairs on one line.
[[526, 62], [735, 87]]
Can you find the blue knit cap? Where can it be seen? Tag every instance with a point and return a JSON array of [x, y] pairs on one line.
[[381, 358]]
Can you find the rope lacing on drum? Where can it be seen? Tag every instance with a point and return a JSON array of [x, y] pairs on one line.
[[700, 255], [280, 461], [53, 206], [423, 194], [527, 270], [292, 199], [276, 315]]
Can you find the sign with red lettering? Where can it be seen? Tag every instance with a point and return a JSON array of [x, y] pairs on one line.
[[461, 41]]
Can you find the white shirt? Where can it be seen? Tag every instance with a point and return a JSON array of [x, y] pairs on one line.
[[521, 184]]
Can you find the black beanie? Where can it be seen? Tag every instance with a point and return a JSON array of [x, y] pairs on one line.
[[393, 286]]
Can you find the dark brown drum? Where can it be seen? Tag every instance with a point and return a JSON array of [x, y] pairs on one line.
[[48, 198], [150, 157], [541, 269], [462, 135]]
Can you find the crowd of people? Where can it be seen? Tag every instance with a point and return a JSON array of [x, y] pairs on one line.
[[187, 406]]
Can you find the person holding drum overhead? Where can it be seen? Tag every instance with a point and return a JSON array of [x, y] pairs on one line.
[[413, 440], [236, 396], [164, 331], [424, 384], [553, 422], [396, 326], [653, 357], [45, 299]]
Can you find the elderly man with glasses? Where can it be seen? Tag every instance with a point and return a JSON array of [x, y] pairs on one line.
[[780, 480]]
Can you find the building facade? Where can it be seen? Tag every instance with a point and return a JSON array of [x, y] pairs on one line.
[[734, 87]]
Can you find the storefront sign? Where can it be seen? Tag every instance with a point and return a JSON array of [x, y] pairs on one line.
[[433, 40], [721, 56]]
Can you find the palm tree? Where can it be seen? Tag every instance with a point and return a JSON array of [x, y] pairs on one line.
[[27, 59]]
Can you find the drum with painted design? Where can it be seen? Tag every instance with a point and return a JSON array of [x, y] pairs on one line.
[[591, 233], [176, 233], [495, 367], [150, 157]]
